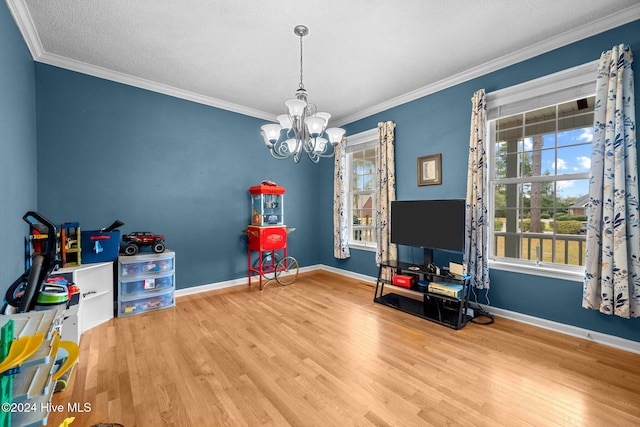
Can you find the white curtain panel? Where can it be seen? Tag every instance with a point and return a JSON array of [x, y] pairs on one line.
[[476, 231], [385, 192], [612, 271], [340, 220]]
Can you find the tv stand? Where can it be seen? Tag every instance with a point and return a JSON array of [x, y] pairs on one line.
[[445, 310]]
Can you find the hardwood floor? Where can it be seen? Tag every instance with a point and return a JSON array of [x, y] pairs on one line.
[[321, 353]]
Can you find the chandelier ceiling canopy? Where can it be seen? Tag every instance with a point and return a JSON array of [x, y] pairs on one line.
[[303, 128]]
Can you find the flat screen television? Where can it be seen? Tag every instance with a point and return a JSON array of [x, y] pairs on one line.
[[429, 224]]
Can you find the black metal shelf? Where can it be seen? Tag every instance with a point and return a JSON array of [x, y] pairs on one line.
[[441, 309], [416, 292]]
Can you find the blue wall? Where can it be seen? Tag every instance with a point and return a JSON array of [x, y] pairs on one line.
[[18, 166], [109, 151], [439, 123]]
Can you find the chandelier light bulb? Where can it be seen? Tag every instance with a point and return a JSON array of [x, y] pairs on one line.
[[285, 121], [321, 144], [271, 132], [324, 116], [291, 145], [315, 125], [335, 135], [266, 139], [296, 107]]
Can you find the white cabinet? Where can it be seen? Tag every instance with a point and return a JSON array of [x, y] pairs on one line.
[[145, 282], [95, 305]]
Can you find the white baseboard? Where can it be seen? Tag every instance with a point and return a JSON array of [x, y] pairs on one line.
[[210, 287], [597, 337], [227, 284], [347, 273]]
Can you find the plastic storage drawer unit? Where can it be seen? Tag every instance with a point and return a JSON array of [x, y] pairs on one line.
[[128, 287], [148, 302], [145, 282]]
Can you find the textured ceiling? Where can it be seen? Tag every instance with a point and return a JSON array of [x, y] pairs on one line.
[[360, 57]]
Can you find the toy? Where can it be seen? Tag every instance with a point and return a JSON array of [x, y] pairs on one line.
[[138, 239], [24, 292]]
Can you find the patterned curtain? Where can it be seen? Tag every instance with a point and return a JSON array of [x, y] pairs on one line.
[[475, 255], [386, 192], [612, 271], [340, 220]]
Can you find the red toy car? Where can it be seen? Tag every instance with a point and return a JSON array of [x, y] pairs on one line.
[[143, 238]]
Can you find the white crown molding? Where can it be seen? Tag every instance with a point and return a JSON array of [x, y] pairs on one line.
[[93, 70], [609, 22], [27, 29]]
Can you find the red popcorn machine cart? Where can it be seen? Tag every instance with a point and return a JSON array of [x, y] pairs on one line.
[[267, 235]]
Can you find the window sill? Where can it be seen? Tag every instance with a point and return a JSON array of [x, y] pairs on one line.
[[553, 272], [362, 247]]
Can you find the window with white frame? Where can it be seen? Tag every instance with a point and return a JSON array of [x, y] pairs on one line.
[[540, 137], [361, 175]]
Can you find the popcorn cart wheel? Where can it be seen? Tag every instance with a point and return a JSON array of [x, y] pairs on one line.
[[271, 264], [287, 271], [269, 259]]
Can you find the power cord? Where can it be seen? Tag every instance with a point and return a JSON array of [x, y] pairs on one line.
[[479, 312], [482, 313]]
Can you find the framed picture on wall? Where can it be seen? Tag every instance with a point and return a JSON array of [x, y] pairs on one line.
[[430, 170]]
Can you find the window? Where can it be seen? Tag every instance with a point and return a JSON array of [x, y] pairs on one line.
[[540, 157], [362, 150]]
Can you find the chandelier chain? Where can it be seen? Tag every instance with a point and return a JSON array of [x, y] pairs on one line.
[[301, 84]]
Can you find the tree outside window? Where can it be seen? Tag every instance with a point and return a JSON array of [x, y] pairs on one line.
[[539, 183]]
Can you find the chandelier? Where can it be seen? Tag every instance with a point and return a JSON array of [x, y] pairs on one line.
[[302, 129]]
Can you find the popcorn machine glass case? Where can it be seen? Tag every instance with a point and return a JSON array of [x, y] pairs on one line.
[[267, 205]]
